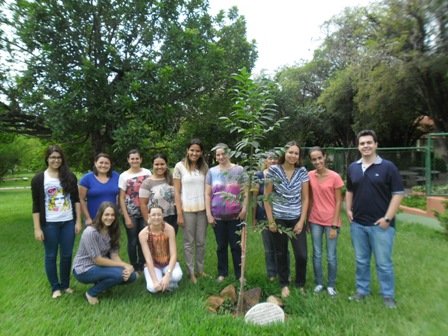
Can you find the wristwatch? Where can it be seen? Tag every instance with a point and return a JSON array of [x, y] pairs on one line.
[[387, 219]]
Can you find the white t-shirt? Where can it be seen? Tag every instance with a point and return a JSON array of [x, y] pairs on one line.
[[58, 207], [130, 183], [193, 188]]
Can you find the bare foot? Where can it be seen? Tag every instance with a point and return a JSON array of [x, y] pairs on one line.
[[91, 299], [57, 293], [285, 292], [202, 275], [193, 279]]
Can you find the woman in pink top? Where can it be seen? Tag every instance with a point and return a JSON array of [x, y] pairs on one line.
[[324, 218]]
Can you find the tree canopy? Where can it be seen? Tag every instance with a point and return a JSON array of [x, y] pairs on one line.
[[111, 75]]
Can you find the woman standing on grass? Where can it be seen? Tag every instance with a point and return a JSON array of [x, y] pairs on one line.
[[158, 241], [287, 206], [260, 215], [129, 183], [56, 209], [189, 184], [158, 190], [98, 186], [225, 209], [97, 260], [324, 217]]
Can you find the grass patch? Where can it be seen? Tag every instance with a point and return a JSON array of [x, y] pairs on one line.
[[27, 308]]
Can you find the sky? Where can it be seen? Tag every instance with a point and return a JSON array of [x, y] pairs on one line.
[[286, 31]]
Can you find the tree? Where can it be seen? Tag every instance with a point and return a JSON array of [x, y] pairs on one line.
[[115, 74], [253, 117]]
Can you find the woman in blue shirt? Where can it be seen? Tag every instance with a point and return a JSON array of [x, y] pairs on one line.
[[98, 186]]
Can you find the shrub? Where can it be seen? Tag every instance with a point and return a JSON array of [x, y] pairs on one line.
[[443, 218]]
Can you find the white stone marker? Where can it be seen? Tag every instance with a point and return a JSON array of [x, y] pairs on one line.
[[265, 313]]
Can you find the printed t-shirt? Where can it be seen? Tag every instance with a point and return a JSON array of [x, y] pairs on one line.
[[130, 183]]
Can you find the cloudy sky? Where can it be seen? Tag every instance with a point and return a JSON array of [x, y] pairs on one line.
[[286, 31]]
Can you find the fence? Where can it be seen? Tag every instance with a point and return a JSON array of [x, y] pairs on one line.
[[423, 168]]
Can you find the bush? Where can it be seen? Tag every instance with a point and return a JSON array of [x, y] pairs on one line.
[[414, 201], [443, 218]]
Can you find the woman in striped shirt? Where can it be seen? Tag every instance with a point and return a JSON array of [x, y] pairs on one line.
[[286, 204]]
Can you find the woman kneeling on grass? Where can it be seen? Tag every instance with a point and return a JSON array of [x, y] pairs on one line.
[[162, 271], [97, 260]]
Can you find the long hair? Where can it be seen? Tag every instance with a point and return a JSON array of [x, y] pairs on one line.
[[99, 156], [167, 174], [201, 165], [66, 177], [114, 229], [281, 160]]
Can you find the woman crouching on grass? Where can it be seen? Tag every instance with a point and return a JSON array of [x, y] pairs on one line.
[[158, 241], [97, 260]]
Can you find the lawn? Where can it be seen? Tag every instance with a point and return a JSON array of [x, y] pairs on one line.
[[27, 308]]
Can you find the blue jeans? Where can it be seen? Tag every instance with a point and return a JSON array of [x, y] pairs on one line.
[[226, 234], [58, 234], [136, 258], [317, 232], [373, 239], [103, 278]]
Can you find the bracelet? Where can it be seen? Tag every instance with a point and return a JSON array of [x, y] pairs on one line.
[[168, 271]]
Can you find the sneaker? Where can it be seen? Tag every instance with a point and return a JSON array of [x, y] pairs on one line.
[[357, 297], [331, 291], [57, 293], [318, 289], [389, 302], [220, 278]]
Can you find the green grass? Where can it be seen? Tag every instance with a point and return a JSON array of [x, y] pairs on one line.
[[27, 308]]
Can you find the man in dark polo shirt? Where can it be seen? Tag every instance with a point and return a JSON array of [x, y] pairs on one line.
[[374, 193]]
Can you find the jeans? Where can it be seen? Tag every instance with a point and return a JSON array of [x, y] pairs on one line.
[[103, 278], [176, 276], [373, 239], [195, 231], [226, 234], [269, 253], [135, 253], [299, 246], [58, 234], [317, 232]]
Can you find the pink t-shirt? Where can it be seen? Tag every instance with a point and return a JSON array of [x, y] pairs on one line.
[[324, 200]]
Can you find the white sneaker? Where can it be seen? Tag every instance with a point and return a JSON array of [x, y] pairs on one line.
[[318, 289], [331, 291]]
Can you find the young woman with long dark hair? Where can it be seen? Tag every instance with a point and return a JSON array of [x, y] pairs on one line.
[[189, 184], [97, 260], [56, 217], [287, 198]]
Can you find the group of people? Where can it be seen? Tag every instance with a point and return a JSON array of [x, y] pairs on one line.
[[155, 204]]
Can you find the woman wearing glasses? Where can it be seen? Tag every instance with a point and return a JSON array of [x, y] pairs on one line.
[[56, 217]]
